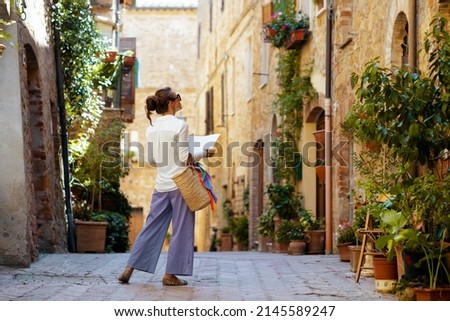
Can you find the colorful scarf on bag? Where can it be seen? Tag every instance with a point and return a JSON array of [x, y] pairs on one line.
[[205, 178]]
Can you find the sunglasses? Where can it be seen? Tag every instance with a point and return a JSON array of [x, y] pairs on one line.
[[176, 97]]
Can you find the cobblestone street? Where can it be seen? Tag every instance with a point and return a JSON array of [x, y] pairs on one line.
[[218, 276]]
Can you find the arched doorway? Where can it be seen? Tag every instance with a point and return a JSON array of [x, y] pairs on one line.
[[317, 116], [257, 193]]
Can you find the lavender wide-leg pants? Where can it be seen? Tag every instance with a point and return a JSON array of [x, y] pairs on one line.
[[164, 207]]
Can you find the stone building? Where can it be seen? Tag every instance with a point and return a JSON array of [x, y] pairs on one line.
[[237, 85], [32, 217]]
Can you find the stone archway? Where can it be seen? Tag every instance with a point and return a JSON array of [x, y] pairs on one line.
[[399, 44], [317, 115]]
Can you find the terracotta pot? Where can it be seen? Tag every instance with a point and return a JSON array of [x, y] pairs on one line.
[[281, 247], [344, 252], [90, 236], [320, 171], [265, 244], [227, 242], [355, 252], [110, 56], [438, 294], [297, 247], [296, 39], [385, 273], [372, 146], [129, 60], [385, 269], [270, 32], [319, 136], [315, 242]]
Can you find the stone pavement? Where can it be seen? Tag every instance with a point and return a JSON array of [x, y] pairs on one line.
[[218, 276]]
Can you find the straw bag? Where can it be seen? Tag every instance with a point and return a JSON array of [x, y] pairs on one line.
[[192, 188]]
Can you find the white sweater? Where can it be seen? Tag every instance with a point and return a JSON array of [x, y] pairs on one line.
[[168, 150]]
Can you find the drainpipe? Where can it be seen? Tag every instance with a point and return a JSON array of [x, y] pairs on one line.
[[64, 144], [328, 140], [412, 34]]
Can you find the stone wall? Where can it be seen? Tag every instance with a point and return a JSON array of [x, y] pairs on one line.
[[233, 56], [32, 217]]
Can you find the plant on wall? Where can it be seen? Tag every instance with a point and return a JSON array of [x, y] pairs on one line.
[[282, 24], [295, 91], [82, 45]]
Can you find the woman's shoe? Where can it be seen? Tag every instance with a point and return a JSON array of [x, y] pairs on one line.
[[175, 282], [126, 275]]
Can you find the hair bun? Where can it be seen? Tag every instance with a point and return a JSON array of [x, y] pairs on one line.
[[152, 102]]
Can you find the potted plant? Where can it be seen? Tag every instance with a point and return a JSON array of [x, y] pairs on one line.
[[110, 56], [345, 236], [438, 277], [116, 230], [315, 232], [297, 239], [128, 61], [266, 228], [282, 235], [284, 201], [226, 239], [416, 229], [96, 189], [239, 229], [418, 142], [284, 204], [283, 24]]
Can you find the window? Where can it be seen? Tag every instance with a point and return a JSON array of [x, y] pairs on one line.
[[222, 94], [264, 64], [249, 69], [210, 15], [209, 111]]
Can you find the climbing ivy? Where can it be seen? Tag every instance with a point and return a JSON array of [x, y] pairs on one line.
[[295, 91], [81, 45]]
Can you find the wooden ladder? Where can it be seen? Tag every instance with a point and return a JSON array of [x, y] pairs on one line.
[[368, 232]]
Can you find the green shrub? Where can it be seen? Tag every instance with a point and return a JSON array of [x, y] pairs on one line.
[[116, 232]]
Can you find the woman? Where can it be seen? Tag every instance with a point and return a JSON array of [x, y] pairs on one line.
[[167, 139]]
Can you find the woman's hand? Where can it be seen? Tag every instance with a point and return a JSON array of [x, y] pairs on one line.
[[190, 160], [210, 152]]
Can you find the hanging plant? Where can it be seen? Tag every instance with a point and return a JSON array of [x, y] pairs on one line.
[[283, 23]]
